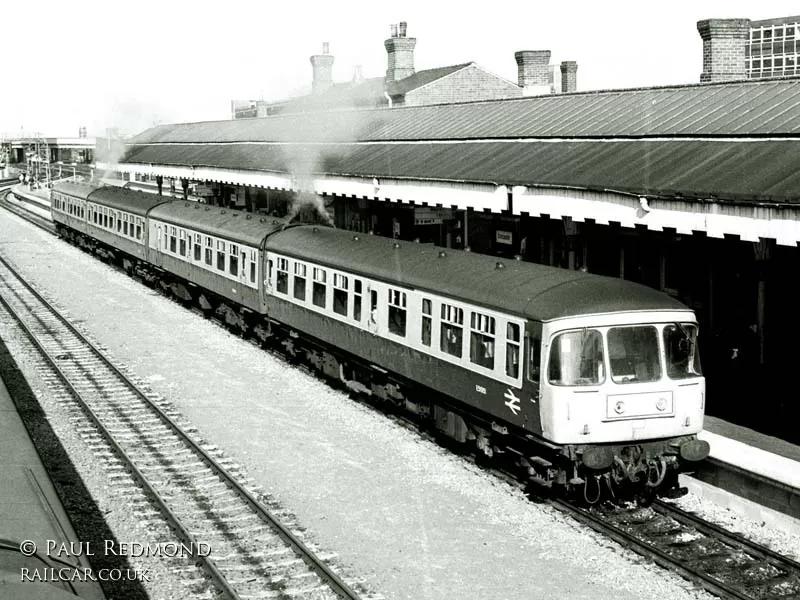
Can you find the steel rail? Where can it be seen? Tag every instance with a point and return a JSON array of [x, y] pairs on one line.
[[322, 570]]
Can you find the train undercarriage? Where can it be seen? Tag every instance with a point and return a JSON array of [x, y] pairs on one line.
[[587, 474]]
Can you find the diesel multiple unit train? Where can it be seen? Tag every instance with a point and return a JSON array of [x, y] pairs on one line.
[[583, 382]]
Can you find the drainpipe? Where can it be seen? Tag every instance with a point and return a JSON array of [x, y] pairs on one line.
[[388, 97]]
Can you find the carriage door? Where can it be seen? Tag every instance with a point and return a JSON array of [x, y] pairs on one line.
[[533, 359]]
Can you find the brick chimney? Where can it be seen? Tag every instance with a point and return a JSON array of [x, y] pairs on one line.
[[322, 65], [400, 51], [724, 42], [533, 68], [569, 76]]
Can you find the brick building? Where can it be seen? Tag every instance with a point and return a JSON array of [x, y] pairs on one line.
[[772, 48], [403, 85]]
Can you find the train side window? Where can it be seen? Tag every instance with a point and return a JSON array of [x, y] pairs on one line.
[[340, 294], [512, 350], [209, 251], [119, 221], [173, 240], [319, 287], [252, 268], [300, 281], [138, 229], [282, 280], [397, 312], [220, 256], [105, 219], [452, 336], [534, 359], [125, 228], [233, 263], [427, 321], [481, 343], [357, 300], [182, 244], [198, 247]]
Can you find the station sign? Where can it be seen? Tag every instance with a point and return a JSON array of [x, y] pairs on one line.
[[504, 237], [431, 215]]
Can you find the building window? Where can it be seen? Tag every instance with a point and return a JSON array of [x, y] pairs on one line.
[[427, 321], [282, 280], [452, 335], [481, 346], [512, 350], [300, 281], [220, 256], [397, 312], [340, 294], [318, 297]]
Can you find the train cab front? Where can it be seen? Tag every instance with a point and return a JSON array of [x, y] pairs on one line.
[[625, 398]]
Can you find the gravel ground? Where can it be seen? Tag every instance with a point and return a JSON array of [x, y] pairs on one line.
[[410, 518]]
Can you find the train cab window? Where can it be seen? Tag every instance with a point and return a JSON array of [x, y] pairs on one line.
[[300, 281], [633, 354], [282, 280], [209, 251], [340, 294], [198, 247], [427, 321], [481, 340], [452, 332], [512, 350], [397, 312], [680, 345], [357, 300], [233, 263], [319, 287], [576, 358], [220, 256]]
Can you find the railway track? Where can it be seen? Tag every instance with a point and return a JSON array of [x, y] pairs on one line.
[[29, 216], [247, 551], [719, 561]]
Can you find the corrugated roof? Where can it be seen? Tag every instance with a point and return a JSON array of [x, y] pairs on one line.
[[521, 288], [770, 107], [737, 170]]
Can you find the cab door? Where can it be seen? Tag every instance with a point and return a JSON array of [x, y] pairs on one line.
[[532, 374]]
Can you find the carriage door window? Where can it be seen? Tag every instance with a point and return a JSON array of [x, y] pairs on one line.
[[427, 321], [397, 312], [481, 342], [220, 256], [252, 266], [452, 334], [319, 288], [198, 248], [300, 281], [534, 358], [282, 280], [357, 300], [233, 262], [512, 350], [373, 306], [209, 251], [340, 294]]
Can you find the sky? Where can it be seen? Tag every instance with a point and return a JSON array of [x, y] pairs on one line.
[[133, 64]]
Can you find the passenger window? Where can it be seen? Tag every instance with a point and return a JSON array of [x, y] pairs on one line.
[[209, 251], [220, 256], [198, 248], [182, 250], [300, 281], [319, 287], [282, 280], [452, 335], [397, 312], [481, 345], [233, 263], [427, 321], [340, 294], [252, 271]]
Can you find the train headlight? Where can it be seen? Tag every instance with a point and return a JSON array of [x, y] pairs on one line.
[[619, 407]]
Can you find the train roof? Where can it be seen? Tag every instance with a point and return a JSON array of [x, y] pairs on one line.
[[234, 225], [78, 190], [132, 201], [534, 291]]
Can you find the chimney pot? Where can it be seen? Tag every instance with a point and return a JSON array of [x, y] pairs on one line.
[[724, 42], [403, 29], [325, 47], [400, 54], [534, 72], [569, 76], [393, 28]]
